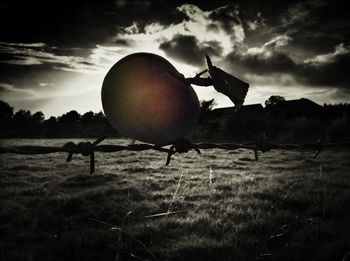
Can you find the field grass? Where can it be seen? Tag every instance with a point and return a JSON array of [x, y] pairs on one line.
[[286, 206]]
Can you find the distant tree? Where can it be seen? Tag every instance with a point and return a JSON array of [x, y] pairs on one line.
[[38, 117], [22, 124], [37, 123], [100, 116], [51, 127], [274, 100], [22, 116], [69, 124], [69, 117], [6, 114], [333, 111], [51, 122], [6, 111], [103, 127], [241, 125], [88, 118]]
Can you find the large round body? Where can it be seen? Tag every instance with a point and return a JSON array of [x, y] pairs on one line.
[[147, 99]]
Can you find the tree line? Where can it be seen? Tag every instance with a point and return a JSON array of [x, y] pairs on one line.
[[282, 123], [24, 124]]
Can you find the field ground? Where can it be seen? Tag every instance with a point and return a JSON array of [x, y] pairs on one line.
[[286, 206]]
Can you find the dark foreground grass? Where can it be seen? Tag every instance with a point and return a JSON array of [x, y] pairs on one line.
[[286, 206]]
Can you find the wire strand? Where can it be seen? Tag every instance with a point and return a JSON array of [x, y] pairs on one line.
[[89, 149]]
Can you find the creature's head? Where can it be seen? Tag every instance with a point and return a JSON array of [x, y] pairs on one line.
[[227, 84]]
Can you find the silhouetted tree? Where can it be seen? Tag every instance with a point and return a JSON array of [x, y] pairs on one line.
[[69, 117], [36, 123], [6, 114], [51, 127], [239, 125], [6, 111], [69, 124], [38, 117], [104, 127], [333, 111], [274, 100], [22, 124], [88, 118]]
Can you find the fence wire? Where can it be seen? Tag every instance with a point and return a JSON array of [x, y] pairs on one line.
[[89, 148]]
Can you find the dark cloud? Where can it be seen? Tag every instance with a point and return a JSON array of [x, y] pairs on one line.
[[330, 71], [29, 54], [261, 64], [79, 23], [188, 49], [86, 23], [227, 17], [309, 44], [70, 51], [59, 23], [315, 25], [24, 77]]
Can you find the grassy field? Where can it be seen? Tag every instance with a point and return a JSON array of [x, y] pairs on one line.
[[286, 206]]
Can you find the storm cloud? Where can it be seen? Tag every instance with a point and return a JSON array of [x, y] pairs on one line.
[[329, 69], [188, 49]]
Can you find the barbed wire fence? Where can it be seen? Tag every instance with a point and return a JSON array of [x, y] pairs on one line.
[[89, 148]]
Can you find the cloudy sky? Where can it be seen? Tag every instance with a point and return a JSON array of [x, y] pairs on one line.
[[55, 54]]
